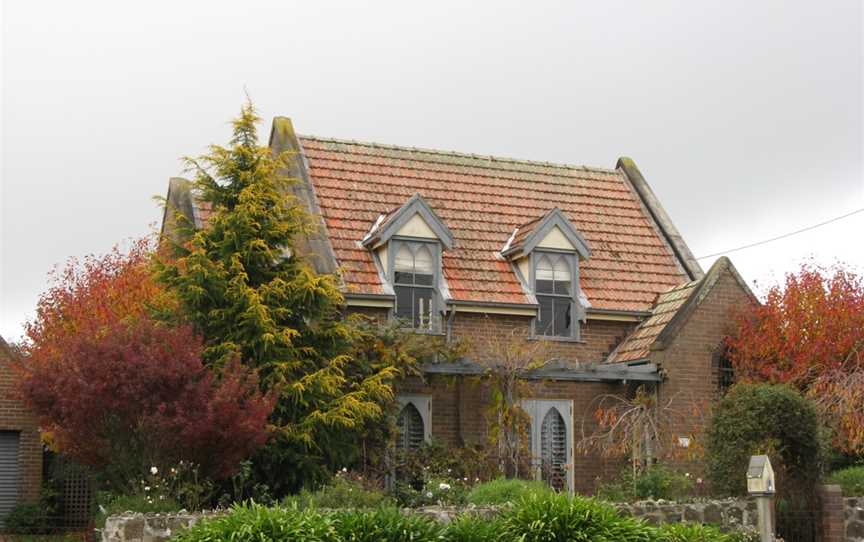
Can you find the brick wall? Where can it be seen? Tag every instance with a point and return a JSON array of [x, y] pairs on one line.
[[460, 408], [598, 337], [478, 330], [13, 417], [690, 360], [460, 405], [832, 514]]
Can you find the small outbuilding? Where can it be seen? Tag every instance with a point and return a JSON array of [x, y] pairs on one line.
[[20, 446]]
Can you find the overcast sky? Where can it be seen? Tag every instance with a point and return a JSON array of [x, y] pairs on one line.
[[745, 117]]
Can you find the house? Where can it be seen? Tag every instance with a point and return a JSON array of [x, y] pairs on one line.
[[20, 446], [479, 248]]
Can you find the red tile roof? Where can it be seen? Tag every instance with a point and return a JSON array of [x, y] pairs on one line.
[[638, 344], [482, 199]]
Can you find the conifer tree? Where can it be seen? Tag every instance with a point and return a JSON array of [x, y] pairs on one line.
[[243, 285]]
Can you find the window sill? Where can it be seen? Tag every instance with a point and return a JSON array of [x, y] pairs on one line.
[[557, 339], [433, 333]]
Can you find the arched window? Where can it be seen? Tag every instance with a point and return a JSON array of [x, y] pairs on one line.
[[410, 427], [553, 284], [553, 449], [414, 284], [725, 370]]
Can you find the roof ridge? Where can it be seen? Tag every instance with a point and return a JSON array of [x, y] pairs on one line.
[[438, 152]]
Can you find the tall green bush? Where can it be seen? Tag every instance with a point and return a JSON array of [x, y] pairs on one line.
[[695, 532], [476, 528], [766, 419], [243, 282], [553, 518], [385, 525]]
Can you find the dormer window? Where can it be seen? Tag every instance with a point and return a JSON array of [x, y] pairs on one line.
[[414, 283], [546, 253], [407, 244], [553, 286]]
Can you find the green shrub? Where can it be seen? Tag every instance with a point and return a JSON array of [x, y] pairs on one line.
[[25, 518], [692, 532], [504, 490], [549, 518], [110, 504], [258, 523], [851, 479], [340, 493], [475, 528], [763, 419], [656, 482], [385, 525], [430, 491], [659, 482]]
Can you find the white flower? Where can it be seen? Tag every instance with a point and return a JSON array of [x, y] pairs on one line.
[[344, 469], [146, 488], [687, 475], [698, 480], [443, 486], [429, 494], [154, 471]]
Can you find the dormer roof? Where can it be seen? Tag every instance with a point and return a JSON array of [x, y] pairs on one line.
[[528, 236], [391, 223]]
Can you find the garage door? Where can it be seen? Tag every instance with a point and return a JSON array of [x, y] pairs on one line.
[[8, 472]]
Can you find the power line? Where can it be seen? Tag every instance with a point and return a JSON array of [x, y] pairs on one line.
[[785, 235]]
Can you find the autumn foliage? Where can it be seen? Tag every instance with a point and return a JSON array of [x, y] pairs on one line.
[[115, 389], [809, 333]]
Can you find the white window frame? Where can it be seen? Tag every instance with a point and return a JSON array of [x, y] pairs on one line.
[[423, 404], [537, 410], [414, 244], [576, 309]]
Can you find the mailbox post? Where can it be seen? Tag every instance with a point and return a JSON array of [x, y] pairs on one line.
[[760, 484]]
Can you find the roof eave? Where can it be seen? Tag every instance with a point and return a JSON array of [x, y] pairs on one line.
[[670, 233]]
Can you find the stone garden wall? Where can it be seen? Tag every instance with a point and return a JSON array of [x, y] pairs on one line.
[[137, 527], [729, 514]]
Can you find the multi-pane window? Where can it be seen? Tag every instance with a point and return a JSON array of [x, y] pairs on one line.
[[553, 286], [414, 283]]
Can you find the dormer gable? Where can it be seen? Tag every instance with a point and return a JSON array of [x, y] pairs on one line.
[[407, 245], [553, 230], [545, 253], [415, 218]]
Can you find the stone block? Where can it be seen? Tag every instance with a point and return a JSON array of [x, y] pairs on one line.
[[713, 514]]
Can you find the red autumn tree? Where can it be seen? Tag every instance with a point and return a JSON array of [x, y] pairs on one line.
[[809, 333], [115, 389]]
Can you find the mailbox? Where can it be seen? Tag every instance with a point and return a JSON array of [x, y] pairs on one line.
[[760, 476]]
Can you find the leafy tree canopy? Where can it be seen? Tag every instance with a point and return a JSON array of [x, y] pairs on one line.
[[774, 420], [241, 282], [809, 333], [116, 390]]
